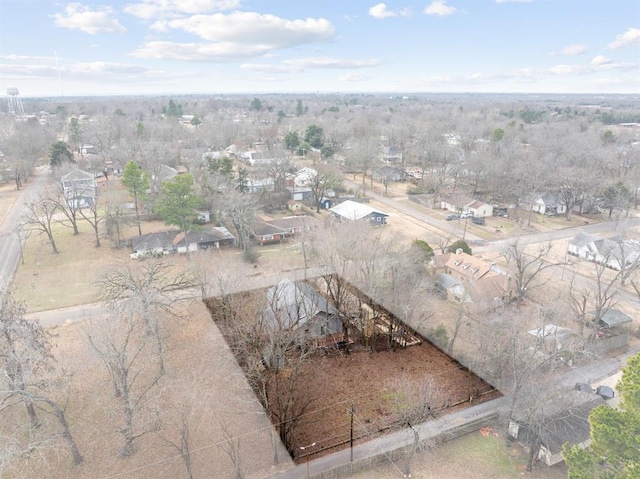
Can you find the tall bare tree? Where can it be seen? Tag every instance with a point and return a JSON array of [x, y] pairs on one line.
[[39, 216], [130, 356]]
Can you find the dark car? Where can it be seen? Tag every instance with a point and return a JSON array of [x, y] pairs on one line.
[[478, 220], [605, 392], [452, 217]]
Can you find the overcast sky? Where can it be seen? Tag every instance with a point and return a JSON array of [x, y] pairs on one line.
[[52, 48]]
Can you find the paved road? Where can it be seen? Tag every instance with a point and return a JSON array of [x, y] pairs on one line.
[[74, 314], [9, 242], [455, 228]]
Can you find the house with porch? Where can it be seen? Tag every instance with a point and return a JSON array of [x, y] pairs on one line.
[[80, 188], [547, 203], [174, 241]]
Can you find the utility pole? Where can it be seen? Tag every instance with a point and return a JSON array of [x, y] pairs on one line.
[[352, 411]]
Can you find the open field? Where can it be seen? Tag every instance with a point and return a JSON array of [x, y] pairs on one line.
[[202, 382]]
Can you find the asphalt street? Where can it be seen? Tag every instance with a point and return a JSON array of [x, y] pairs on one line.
[[10, 237]]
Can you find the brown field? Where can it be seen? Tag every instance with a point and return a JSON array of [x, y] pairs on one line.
[[202, 381]]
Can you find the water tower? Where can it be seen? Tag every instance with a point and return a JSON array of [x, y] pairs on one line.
[[15, 102]]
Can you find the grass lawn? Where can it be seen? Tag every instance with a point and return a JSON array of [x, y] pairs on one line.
[[481, 455]]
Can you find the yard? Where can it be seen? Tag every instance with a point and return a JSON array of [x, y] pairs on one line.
[[381, 388]]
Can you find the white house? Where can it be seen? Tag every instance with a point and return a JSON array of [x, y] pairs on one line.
[[479, 209], [354, 211], [547, 204], [614, 253]]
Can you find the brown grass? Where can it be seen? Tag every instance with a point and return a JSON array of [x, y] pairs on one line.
[[202, 379]]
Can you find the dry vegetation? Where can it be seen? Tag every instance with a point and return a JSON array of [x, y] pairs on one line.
[[202, 384]]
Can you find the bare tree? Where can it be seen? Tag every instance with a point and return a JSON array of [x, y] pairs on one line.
[[25, 351], [116, 218], [93, 216], [70, 208], [131, 359], [26, 365], [39, 217], [527, 266], [149, 291]]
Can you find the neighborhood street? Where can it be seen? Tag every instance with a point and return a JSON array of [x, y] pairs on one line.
[[10, 237]]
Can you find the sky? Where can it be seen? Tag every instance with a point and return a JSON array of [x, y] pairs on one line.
[[328, 46]]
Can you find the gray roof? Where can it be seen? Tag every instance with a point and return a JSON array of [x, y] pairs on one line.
[[614, 317], [78, 174], [292, 304], [171, 238], [571, 426], [583, 239]]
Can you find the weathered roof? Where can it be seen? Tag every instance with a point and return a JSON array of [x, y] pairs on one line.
[[614, 317], [298, 222], [78, 174], [168, 239], [353, 210], [261, 228], [468, 266], [571, 426], [292, 304], [583, 239]]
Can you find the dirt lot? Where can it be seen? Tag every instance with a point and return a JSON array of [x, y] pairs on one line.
[[370, 380]]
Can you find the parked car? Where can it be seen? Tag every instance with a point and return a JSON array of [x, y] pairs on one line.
[[478, 220], [466, 214], [452, 217]]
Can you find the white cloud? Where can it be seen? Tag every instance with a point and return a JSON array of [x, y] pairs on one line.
[[236, 35], [355, 76], [79, 17], [572, 50], [253, 28], [630, 37], [440, 8], [152, 9], [300, 64], [380, 11], [199, 52], [594, 67], [600, 60]]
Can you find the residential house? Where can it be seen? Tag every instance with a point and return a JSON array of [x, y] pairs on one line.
[[163, 173], [298, 306], [354, 211], [456, 203], [615, 253], [389, 173], [391, 155], [295, 225], [265, 233], [80, 188], [175, 241], [479, 209], [467, 279], [300, 184], [564, 427], [549, 204], [259, 185]]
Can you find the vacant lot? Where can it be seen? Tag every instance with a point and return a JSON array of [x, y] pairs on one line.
[[382, 387], [202, 384]]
